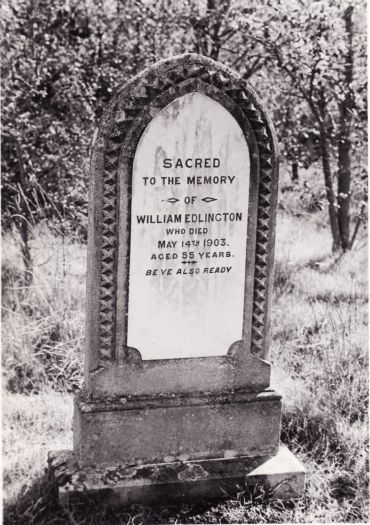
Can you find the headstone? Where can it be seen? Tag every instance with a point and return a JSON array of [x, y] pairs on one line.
[[177, 398]]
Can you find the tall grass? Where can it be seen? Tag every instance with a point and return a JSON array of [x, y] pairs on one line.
[[320, 356], [43, 323]]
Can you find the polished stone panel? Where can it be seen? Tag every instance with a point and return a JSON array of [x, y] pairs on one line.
[[188, 232]]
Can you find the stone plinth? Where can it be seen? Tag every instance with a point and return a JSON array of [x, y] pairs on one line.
[[149, 429], [282, 476]]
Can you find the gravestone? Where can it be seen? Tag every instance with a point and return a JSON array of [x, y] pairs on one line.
[[177, 399]]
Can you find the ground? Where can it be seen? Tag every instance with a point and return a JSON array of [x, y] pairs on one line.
[[319, 355]]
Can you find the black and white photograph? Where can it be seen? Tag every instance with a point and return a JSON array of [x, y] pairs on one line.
[[184, 262]]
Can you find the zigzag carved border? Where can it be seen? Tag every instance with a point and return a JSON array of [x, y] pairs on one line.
[[151, 86]]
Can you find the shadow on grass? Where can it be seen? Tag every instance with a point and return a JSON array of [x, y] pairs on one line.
[[38, 505], [318, 436]]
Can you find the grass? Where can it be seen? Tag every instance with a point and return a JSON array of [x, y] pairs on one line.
[[319, 354], [44, 322]]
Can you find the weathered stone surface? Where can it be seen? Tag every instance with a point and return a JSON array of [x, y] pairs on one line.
[[283, 474], [132, 376], [149, 429], [282, 477]]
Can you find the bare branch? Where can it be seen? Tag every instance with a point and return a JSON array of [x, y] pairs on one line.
[[312, 78], [257, 64]]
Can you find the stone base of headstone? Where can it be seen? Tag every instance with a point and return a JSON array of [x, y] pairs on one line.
[[281, 476], [151, 429]]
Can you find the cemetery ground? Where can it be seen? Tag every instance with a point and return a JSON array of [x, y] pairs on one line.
[[318, 350]]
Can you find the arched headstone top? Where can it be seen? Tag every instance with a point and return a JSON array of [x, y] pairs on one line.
[[161, 83], [133, 108]]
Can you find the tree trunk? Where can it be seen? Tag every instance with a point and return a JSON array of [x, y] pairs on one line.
[[220, 7], [24, 218], [330, 194], [344, 144], [295, 175], [344, 185]]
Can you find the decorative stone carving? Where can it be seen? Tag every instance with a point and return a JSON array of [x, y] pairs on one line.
[[131, 110]]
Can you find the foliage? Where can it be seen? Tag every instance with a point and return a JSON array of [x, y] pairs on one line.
[[318, 50], [63, 60], [44, 112]]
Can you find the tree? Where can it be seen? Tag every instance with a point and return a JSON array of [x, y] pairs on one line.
[[323, 59], [218, 32], [298, 139], [63, 60], [61, 63]]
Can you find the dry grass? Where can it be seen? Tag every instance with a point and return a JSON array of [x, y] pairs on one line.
[[319, 351], [33, 423], [44, 323]]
